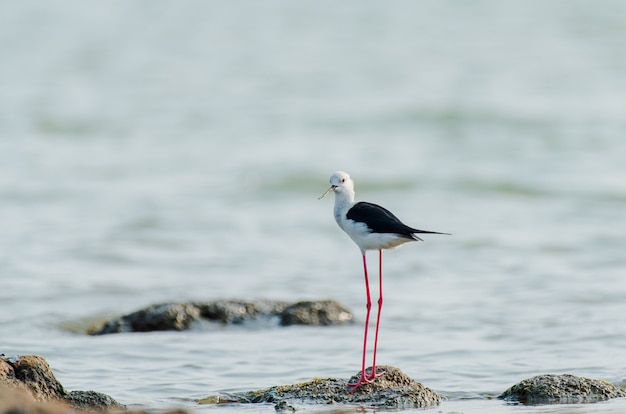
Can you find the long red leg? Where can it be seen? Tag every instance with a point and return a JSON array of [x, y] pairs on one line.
[[380, 306], [368, 305]]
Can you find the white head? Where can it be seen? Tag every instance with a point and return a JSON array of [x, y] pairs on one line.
[[341, 184]]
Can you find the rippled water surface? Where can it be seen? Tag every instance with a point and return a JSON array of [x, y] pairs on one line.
[[171, 152]]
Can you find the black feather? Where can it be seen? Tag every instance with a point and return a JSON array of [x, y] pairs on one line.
[[380, 220]]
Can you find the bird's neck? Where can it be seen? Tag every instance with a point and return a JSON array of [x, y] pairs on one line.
[[343, 202], [344, 197]]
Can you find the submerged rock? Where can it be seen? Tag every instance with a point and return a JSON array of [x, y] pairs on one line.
[[181, 316], [162, 317], [87, 400], [238, 312], [324, 313], [394, 390], [561, 389], [30, 376]]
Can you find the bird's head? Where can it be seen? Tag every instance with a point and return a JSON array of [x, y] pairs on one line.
[[340, 182]]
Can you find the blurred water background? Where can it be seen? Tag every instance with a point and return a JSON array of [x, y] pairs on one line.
[[164, 151]]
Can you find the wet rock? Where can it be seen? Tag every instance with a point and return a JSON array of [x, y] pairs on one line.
[[238, 312], [34, 372], [6, 370], [393, 390], [7, 376], [162, 317], [561, 389], [324, 313], [284, 407], [31, 376], [88, 400], [181, 316]]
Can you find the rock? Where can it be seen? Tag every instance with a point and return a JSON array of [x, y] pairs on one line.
[[284, 407], [35, 373], [162, 317], [181, 316], [31, 376], [238, 312], [322, 313], [561, 389], [88, 400], [7, 376], [393, 390], [6, 370], [13, 401]]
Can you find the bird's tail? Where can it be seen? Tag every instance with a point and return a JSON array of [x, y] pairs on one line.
[[414, 231]]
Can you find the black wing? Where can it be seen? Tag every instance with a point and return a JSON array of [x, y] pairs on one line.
[[380, 220]]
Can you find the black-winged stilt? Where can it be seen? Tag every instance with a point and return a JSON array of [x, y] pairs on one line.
[[371, 227]]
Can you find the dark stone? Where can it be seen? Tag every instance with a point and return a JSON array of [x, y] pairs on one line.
[[177, 317], [162, 317], [29, 377], [321, 313], [284, 407], [393, 390], [561, 389], [35, 373], [88, 400], [6, 371], [7, 376], [238, 312]]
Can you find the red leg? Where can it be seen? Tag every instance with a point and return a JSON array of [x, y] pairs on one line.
[[368, 305], [373, 373]]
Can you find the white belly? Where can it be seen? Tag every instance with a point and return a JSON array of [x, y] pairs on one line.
[[366, 240]]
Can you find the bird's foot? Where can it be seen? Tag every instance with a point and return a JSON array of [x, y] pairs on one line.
[[374, 375], [357, 384], [365, 379]]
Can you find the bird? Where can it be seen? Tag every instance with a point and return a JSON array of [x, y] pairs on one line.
[[371, 227]]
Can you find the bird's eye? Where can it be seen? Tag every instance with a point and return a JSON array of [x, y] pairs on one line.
[[343, 180]]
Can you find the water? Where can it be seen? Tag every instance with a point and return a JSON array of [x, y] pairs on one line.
[[174, 152]]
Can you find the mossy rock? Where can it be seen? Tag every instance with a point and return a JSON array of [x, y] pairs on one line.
[[561, 389], [393, 390]]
